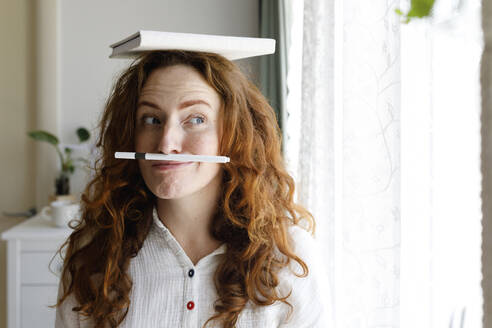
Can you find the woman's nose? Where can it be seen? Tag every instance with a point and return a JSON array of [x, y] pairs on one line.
[[171, 139]]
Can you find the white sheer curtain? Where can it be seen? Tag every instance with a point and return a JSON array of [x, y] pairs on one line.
[[441, 217], [343, 150], [350, 88]]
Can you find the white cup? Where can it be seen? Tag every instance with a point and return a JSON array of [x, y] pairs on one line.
[[60, 212]]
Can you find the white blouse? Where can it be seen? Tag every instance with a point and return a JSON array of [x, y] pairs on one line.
[[169, 291]]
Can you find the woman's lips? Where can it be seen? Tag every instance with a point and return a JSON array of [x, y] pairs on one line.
[[169, 165]]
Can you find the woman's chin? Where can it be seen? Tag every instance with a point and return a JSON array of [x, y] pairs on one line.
[[170, 193]]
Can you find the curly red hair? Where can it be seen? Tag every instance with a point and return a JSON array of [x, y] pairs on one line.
[[255, 209]]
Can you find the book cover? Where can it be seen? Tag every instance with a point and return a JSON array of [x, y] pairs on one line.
[[230, 47]]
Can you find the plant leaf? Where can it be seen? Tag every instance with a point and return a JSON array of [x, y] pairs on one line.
[[418, 8], [41, 135], [421, 8], [83, 134]]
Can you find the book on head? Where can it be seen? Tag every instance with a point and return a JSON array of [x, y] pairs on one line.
[[230, 47]]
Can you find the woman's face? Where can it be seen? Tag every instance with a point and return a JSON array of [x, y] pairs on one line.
[[178, 113]]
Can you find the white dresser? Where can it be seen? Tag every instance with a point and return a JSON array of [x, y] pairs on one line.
[[32, 283]]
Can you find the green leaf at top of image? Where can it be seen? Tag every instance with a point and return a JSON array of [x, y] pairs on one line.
[[418, 8], [83, 134], [44, 136]]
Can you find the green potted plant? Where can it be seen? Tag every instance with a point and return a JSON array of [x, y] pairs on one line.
[[67, 163]]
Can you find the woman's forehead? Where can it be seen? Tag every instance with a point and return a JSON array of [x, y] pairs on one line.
[[176, 75], [178, 81]]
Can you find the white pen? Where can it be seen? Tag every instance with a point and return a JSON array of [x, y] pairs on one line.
[[172, 157]]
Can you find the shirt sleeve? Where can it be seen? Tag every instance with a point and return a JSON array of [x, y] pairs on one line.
[[310, 295], [65, 317]]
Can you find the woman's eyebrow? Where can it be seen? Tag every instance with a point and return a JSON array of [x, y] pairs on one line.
[[183, 105], [148, 104], [189, 103]]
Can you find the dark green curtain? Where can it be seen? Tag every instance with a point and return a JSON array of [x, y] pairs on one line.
[[274, 18]]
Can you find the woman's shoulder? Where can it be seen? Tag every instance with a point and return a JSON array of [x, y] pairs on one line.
[[65, 317], [310, 295], [303, 243]]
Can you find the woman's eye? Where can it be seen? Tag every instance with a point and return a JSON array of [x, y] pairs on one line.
[[151, 120], [197, 120]]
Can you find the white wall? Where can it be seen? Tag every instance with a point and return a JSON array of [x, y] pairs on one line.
[[87, 28], [16, 118]]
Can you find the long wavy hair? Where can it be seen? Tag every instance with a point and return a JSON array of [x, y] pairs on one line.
[[252, 217]]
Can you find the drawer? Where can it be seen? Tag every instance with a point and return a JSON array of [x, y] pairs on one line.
[[36, 268], [34, 306]]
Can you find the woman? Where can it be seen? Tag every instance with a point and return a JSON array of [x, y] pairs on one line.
[[169, 244]]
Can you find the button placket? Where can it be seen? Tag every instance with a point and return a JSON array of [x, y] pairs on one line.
[[191, 282], [190, 305]]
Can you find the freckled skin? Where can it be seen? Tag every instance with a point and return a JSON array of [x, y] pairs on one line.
[[178, 114]]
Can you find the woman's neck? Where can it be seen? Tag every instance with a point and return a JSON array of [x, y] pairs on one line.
[[189, 219]]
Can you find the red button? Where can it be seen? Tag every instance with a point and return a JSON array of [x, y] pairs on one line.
[[190, 305]]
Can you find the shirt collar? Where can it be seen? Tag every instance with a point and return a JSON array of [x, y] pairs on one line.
[[170, 238]]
